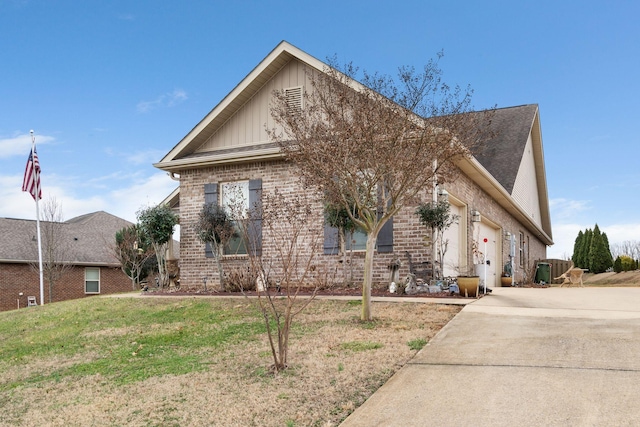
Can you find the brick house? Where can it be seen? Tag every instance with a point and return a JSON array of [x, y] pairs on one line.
[[501, 196], [85, 244]]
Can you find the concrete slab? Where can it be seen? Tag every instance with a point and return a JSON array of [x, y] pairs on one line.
[[522, 357]]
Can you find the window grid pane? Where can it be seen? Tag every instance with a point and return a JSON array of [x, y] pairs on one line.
[[235, 200], [356, 241], [92, 280]]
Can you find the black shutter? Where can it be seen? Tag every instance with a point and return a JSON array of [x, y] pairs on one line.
[[210, 196], [385, 237], [255, 213]]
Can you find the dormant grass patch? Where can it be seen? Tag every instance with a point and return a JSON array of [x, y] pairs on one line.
[[199, 362]]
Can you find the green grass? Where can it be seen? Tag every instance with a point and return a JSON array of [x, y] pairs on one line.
[[417, 344], [126, 340]]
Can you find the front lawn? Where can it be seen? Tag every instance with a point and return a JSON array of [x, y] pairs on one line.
[[198, 361]]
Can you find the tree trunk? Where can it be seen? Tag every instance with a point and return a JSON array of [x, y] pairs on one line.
[[162, 265], [220, 267], [368, 276]]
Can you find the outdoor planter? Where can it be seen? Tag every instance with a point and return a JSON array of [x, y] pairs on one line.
[[506, 281], [469, 286]]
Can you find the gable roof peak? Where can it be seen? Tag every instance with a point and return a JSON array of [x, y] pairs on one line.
[[280, 56]]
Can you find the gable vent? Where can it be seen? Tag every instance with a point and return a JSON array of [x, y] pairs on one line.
[[294, 99]]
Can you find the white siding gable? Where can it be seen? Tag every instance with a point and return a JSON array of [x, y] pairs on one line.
[[525, 188]]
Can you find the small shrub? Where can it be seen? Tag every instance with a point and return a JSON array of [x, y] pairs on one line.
[[239, 280]]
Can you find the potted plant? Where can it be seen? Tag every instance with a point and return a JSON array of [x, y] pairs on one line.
[[468, 281], [469, 286], [506, 280]]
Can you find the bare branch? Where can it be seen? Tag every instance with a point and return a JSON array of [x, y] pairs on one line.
[[372, 148]]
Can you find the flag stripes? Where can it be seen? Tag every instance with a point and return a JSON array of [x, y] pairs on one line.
[[31, 181]]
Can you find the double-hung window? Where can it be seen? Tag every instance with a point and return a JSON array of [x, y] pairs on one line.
[[356, 240], [91, 280], [234, 198], [521, 251]]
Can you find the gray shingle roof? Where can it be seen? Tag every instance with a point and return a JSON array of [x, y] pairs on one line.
[[85, 239], [502, 154]]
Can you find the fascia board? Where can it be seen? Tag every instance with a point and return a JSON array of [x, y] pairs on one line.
[[215, 159]]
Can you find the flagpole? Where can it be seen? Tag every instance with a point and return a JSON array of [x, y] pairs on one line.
[[37, 197]]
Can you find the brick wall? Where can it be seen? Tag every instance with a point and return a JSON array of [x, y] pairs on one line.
[[17, 278], [465, 189], [409, 234]]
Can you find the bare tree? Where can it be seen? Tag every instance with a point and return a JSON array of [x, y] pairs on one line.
[[56, 246], [378, 144], [628, 247], [290, 267]]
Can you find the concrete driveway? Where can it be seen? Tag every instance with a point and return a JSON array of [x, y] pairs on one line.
[[522, 357]]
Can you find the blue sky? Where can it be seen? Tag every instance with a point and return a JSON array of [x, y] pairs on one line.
[[109, 87]]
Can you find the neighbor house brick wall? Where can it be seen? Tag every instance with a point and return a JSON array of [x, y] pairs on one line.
[[16, 278]]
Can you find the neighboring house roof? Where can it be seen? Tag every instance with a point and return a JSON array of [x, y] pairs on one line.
[[497, 170], [85, 239]]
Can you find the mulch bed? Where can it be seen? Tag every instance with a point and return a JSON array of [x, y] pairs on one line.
[[356, 292], [346, 291]]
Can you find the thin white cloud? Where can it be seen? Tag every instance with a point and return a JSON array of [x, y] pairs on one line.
[[567, 209], [137, 158], [124, 201], [167, 100], [564, 237], [148, 192], [177, 97], [20, 145], [618, 233], [567, 220], [145, 157]]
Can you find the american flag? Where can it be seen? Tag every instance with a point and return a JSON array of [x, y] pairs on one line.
[[31, 182]]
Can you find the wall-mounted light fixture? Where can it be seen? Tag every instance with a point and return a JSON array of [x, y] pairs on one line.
[[475, 216], [507, 235], [443, 195]]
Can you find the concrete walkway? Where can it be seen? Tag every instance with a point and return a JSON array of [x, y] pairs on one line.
[[522, 357]]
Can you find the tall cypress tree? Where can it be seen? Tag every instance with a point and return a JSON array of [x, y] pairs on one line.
[[581, 250], [576, 248], [585, 248], [607, 251], [599, 254]]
